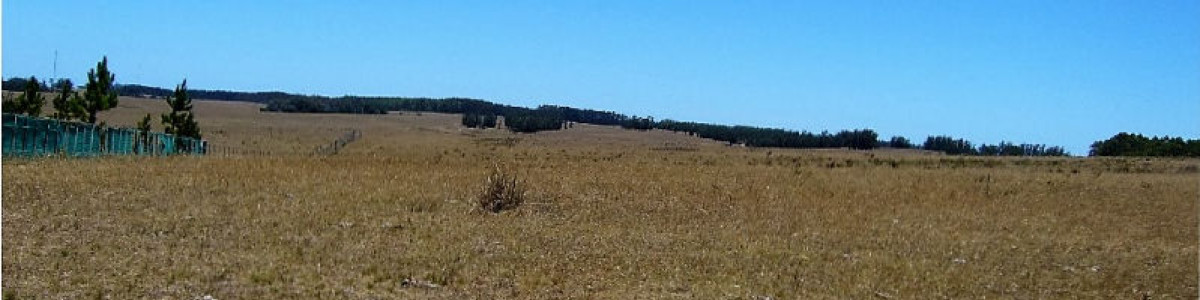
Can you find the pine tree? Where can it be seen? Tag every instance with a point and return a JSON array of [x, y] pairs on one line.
[[144, 124], [470, 120], [30, 102], [489, 121], [143, 134], [900, 142], [181, 121], [67, 105], [99, 94]]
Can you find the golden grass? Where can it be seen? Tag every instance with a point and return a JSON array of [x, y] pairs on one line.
[[610, 214]]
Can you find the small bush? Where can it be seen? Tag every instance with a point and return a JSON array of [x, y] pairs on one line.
[[502, 192]]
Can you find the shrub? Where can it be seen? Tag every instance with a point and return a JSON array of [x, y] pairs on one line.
[[502, 192]]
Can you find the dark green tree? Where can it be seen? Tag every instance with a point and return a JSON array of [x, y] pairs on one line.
[[144, 124], [143, 134], [67, 105], [59, 84], [1133, 144], [30, 102], [989, 150], [949, 145], [181, 121], [863, 139], [15, 84], [900, 142], [638, 123], [489, 121], [533, 121], [98, 94], [470, 120]]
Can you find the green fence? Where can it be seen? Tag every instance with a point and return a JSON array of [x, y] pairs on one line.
[[30, 136]]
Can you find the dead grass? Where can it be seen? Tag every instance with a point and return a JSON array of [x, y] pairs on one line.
[[502, 191], [620, 214]]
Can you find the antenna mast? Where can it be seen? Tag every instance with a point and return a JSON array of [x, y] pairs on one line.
[[54, 75]]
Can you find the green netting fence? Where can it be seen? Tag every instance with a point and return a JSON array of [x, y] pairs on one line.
[[29, 136]]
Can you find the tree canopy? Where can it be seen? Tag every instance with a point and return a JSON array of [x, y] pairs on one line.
[[899, 142], [67, 104], [1131, 144], [98, 94], [30, 102], [181, 121]]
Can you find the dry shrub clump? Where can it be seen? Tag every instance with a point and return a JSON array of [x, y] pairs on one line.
[[502, 192]]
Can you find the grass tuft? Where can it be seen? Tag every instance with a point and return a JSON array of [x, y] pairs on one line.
[[503, 191]]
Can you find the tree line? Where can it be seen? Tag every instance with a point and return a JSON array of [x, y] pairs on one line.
[[18, 84], [554, 117], [471, 120], [1130, 144], [773, 137], [484, 114], [97, 95], [953, 146]]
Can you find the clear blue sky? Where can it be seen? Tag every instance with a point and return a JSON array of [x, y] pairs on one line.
[[1056, 72]]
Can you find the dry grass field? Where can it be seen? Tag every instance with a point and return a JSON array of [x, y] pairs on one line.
[[610, 214]]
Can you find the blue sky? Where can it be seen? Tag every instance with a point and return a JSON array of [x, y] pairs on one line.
[[1056, 72]]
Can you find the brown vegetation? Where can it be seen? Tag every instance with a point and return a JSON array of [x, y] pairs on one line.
[[619, 214], [502, 191]]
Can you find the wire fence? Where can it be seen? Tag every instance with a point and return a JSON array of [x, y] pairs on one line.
[[26, 136], [222, 150], [337, 145], [331, 148]]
